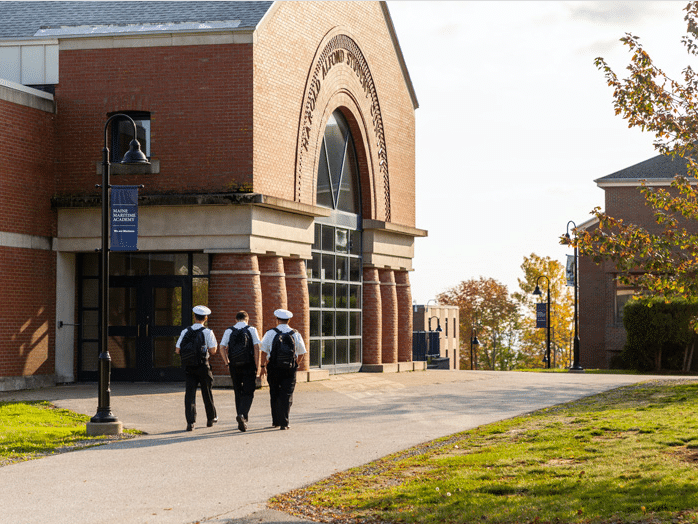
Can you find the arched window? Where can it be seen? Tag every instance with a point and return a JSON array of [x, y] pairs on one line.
[[335, 271]]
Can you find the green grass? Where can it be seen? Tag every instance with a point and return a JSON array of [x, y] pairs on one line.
[[626, 456], [33, 429]]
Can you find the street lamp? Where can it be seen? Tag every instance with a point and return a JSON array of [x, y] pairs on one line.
[[538, 292], [474, 344], [576, 368], [104, 416]]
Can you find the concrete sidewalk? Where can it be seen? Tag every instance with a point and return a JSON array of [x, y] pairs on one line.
[[221, 475]]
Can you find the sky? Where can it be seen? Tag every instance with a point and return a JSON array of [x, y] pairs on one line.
[[515, 123]]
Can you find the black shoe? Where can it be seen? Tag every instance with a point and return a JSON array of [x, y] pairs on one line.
[[190, 427], [285, 427], [210, 422], [242, 423]]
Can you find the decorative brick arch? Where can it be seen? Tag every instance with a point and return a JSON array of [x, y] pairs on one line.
[[341, 79]]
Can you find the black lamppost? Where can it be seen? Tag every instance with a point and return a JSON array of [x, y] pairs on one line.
[[575, 364], [474, 344], [133, 156], [538, 292]]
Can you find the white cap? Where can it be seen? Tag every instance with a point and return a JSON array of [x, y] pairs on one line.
[[283, 314], [201, 310]]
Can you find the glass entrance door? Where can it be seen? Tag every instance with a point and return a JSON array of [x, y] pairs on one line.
[[145, 319]]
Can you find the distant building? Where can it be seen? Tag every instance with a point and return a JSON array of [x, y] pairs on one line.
[[601, 296], [426, 321], [281, 137]]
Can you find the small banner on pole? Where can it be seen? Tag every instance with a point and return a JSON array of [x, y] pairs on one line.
[[124, 218], [569, 270], [541, 315]]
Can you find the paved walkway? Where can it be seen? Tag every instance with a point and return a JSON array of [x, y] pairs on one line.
[[221, 475]]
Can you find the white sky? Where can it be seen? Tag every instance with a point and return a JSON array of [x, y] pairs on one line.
[[515, 123]]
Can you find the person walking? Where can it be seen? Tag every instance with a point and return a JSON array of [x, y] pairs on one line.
[[195, 345], [282, 352], [240, 352]]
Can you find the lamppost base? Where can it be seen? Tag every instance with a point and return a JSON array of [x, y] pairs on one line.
[[576, 370], [98, 429]]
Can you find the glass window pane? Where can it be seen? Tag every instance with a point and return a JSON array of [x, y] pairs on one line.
[[118, 264], [342, 264], [342, 299], [355, 324], [168, 306], [341, 351], [313, 267], [355, 297], [139, 264], [122, 306], [324, 190], [123, 352], [90, 264], [181, 264], [315, 351], [318, 233], [199, 291], [328, 323], [341, 240], [327, 238], [328, 267], [90, 292], [355, 242], [335, 139], [349, 189], [314, 294], [90, 356], [162, 264], [90, 325], [328, 352], [200, 264], [328, 295], [355, 269], [355, 350], [163, 356], [342, 318], [315, 323]]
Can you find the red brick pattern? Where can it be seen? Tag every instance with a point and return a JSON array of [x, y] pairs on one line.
[[298, 300], [404, 316], [389, 317], [273, 289], [372, 332]]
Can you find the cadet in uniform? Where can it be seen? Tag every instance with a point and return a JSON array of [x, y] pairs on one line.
[[195, 375], [243, 375], [282, 382]]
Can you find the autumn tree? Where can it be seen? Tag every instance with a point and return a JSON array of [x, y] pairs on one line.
[[661, 259], [485, 305], [532, 345]]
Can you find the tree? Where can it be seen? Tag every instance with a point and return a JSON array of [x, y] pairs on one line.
[[485, 304], [661, 259], [532, 344]]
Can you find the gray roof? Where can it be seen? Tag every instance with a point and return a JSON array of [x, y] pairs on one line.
[[19, 20], [661, 167]]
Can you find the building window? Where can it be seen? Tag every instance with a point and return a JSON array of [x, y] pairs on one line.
[[335, 272], [623, 295], [122, 134]]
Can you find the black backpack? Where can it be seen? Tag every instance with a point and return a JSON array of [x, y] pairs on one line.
[[283, 350], [193, 349], [240, 346]]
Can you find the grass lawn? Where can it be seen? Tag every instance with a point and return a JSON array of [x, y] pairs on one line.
[[30, 430], [626, 456]]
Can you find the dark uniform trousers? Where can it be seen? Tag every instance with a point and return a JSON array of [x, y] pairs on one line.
[[195, 376], [244, 378], [282, 382]]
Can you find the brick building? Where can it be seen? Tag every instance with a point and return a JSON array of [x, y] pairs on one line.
[[601, 296], [281, 142], [426, 321]]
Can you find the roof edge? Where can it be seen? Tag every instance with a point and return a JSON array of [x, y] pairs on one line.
[[398, 51]]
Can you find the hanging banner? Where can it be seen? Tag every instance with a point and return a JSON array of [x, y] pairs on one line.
[[569, 270], [541, 315], [124, 218]]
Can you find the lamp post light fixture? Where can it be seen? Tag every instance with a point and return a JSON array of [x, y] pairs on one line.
[[104, 416], [576, 368], [538, 292], [474, 344]]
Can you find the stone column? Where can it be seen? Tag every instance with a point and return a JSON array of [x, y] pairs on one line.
[[234, 286], [372, 318], [404, 316], [389, 318], [298, 301], [274, 296]]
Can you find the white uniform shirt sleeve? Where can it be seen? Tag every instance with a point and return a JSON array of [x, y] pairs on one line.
[[269, 337], [181, 336], [226, 337], [211, 341]]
